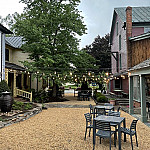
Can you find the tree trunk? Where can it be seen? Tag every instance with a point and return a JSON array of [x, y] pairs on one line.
[[55, 89]]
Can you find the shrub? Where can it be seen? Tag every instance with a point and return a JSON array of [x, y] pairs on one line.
[[102, 99], [18, 105], [3, 87]]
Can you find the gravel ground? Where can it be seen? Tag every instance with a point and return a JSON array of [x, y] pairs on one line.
[[63, 129]]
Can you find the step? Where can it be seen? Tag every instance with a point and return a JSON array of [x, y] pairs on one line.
[[125, 104]]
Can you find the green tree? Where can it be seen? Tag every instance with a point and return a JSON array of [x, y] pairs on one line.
[[49, 29], [100, 50]]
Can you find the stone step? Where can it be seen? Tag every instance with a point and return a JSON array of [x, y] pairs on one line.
[[125, 104]]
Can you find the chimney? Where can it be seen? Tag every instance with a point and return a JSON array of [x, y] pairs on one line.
[[128, 35]]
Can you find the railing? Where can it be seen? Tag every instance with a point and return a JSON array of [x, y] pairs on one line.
[[24, 94]]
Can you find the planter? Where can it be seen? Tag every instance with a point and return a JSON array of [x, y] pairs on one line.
[[6, 102], [113, 102]]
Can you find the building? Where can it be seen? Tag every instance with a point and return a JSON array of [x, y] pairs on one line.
[[127, 23], [3, 31], [16, 76]]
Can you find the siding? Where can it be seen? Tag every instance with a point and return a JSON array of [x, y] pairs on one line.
[[140, 51], [115, 46]]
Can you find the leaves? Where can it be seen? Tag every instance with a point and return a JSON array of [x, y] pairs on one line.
[[49, 29]]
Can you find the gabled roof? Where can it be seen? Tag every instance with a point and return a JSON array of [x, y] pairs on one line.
[[4, 29], [139, 15], [14, 41]]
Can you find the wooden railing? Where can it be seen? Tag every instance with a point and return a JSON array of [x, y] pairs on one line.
[[24, 94]]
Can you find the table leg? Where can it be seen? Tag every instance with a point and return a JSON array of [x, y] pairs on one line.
[[94, 132], [124, 125], [119, 137]]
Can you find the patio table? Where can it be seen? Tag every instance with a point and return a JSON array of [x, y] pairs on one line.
[[111, 119]]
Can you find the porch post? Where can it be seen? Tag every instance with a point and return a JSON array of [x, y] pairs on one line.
[[6, 75], [22, 81], [131, 110], [143, 99], [14, 90]]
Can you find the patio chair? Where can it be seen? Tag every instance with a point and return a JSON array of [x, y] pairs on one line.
[[100, 111], [108, 104], [104, 131], [89, 125], [91, 108], [116, 114], [118, 109], [131, 131]]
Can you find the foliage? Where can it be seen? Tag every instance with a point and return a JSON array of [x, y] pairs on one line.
[[3, 87], [49, 29], [18, 105], [102, 99], [40, 97], [100, 50]]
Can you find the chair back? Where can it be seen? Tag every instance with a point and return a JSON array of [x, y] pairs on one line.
[[114, 113], [102, 125], [100, 111], [108, 104], [133, 125], [88, 118], [91, 108], [118, 109]]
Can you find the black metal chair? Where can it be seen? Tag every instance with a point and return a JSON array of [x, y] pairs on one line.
[[104, 131], [89, 125], [131, 131]]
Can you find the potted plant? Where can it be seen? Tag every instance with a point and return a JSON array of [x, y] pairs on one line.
[[112, 101]]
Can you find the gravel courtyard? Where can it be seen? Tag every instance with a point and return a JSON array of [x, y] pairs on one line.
[[63, 129]]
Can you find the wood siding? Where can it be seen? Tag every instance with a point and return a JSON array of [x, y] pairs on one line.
[[140, 51]]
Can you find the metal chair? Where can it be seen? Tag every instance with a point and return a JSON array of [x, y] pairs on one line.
[[118, 109], [108, 104], [104, 131], [91, 109], [89, 125], [100, 111], [116, 114], [131, 131]]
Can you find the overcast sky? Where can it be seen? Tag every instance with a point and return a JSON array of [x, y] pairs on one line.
[[97, 14]]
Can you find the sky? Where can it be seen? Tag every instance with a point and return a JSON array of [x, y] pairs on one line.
[[97, 14]]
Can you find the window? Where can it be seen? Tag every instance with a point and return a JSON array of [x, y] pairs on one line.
[[146, 29], [117, 28], [136, 88], [119, 42], [120, 62], [7, 54], [118, 83]]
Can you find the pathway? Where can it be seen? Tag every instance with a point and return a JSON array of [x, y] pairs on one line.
[[63, 129]]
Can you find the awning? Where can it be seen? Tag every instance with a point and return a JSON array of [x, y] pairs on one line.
[[14, 66]]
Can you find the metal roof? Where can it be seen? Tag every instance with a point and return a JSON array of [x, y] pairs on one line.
[[14, 41], [140, 37], [139, 14], [14, 66], [4, 29]]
